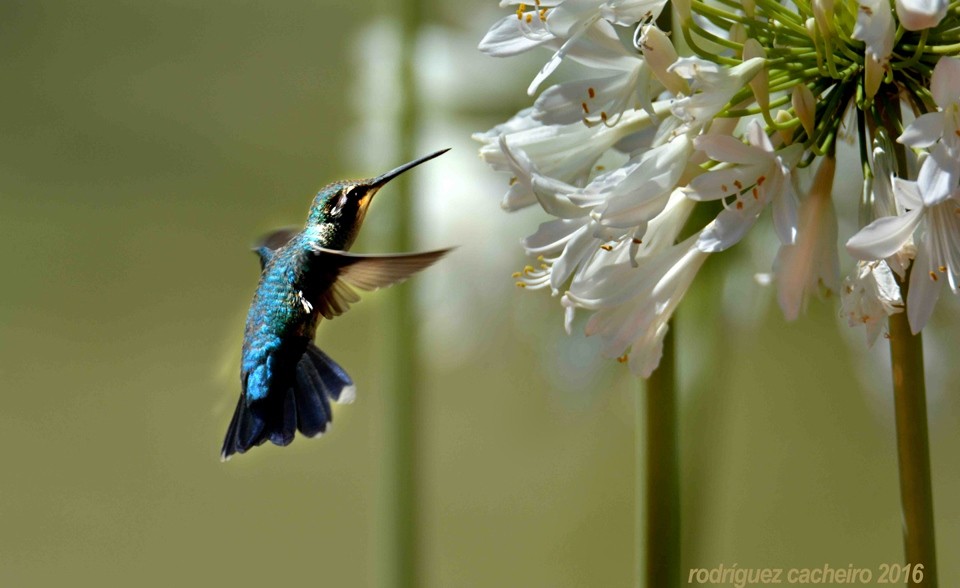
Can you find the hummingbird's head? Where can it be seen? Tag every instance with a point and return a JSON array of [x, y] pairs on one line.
[[345, 203]]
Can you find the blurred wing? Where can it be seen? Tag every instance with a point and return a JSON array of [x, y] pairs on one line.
[[269, 243], [335, 274]]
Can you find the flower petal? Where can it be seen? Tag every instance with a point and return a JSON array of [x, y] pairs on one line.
[[884, 236], [509, 36], [907, 193], [785, 213], [915, 15], [939, 175], [924, 131], [923, 294], [945, 82], [728, 228], [551, 236], [726, 148]]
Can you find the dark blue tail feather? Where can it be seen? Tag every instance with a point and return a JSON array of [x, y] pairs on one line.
[[305, 406]]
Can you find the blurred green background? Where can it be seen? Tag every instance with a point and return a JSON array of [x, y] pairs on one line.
[[145, 145]]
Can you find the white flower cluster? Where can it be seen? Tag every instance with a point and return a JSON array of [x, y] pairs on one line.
[[622, 155]]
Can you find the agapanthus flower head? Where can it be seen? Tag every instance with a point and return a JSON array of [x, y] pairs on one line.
[[622, 155]]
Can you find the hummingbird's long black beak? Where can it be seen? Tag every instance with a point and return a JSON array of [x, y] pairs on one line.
[[378, 182]]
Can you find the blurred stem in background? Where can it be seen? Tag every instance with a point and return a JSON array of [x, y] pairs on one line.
[[910, 406], [658, 461], [399, 540], [913, 449], [659, 526]]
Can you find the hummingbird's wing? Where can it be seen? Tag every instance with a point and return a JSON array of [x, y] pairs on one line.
[[335, 274], [269, 243]]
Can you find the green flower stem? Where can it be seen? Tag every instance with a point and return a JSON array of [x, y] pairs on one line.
[[658, 459], [910, 404], [913, 449], [399, 541]]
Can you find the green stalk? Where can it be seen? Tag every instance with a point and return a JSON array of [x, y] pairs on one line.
[[910, 408], [399, 554], [659, 469], [913, 448]]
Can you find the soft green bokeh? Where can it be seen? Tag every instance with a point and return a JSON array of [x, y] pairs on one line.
[[143, 146]]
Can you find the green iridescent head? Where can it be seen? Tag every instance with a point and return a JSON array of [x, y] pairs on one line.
[[345, 203]]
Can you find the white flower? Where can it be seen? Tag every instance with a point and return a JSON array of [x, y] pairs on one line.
[[713, 86], [641, 187], [515, 34], [876, 29], [634, 304], [869, 296], [916, 15], [624, 80], [760, 174], [659, 53], [938, 246], [619, 156], [811, 264], [940, 132], [565, 152]]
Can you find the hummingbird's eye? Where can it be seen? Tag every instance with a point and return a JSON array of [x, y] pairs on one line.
[[340, 202]]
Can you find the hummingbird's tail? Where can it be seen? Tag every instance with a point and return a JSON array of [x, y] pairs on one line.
[[304, 407]]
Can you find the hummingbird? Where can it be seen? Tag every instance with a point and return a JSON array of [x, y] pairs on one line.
[[308, 275]]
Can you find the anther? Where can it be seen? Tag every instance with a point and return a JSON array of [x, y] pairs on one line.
[[586, 109], [591, 92], [738, 184], [637, 241], [516, 275], [622, 359], [606, 247], [739, 204], [933, 276], [521, 285]]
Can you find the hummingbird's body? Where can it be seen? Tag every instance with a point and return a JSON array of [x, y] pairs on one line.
[[287, 381]]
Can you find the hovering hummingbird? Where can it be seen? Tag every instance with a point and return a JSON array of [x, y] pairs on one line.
[[288, 382]]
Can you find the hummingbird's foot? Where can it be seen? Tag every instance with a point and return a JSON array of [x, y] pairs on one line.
[[307, 307]]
